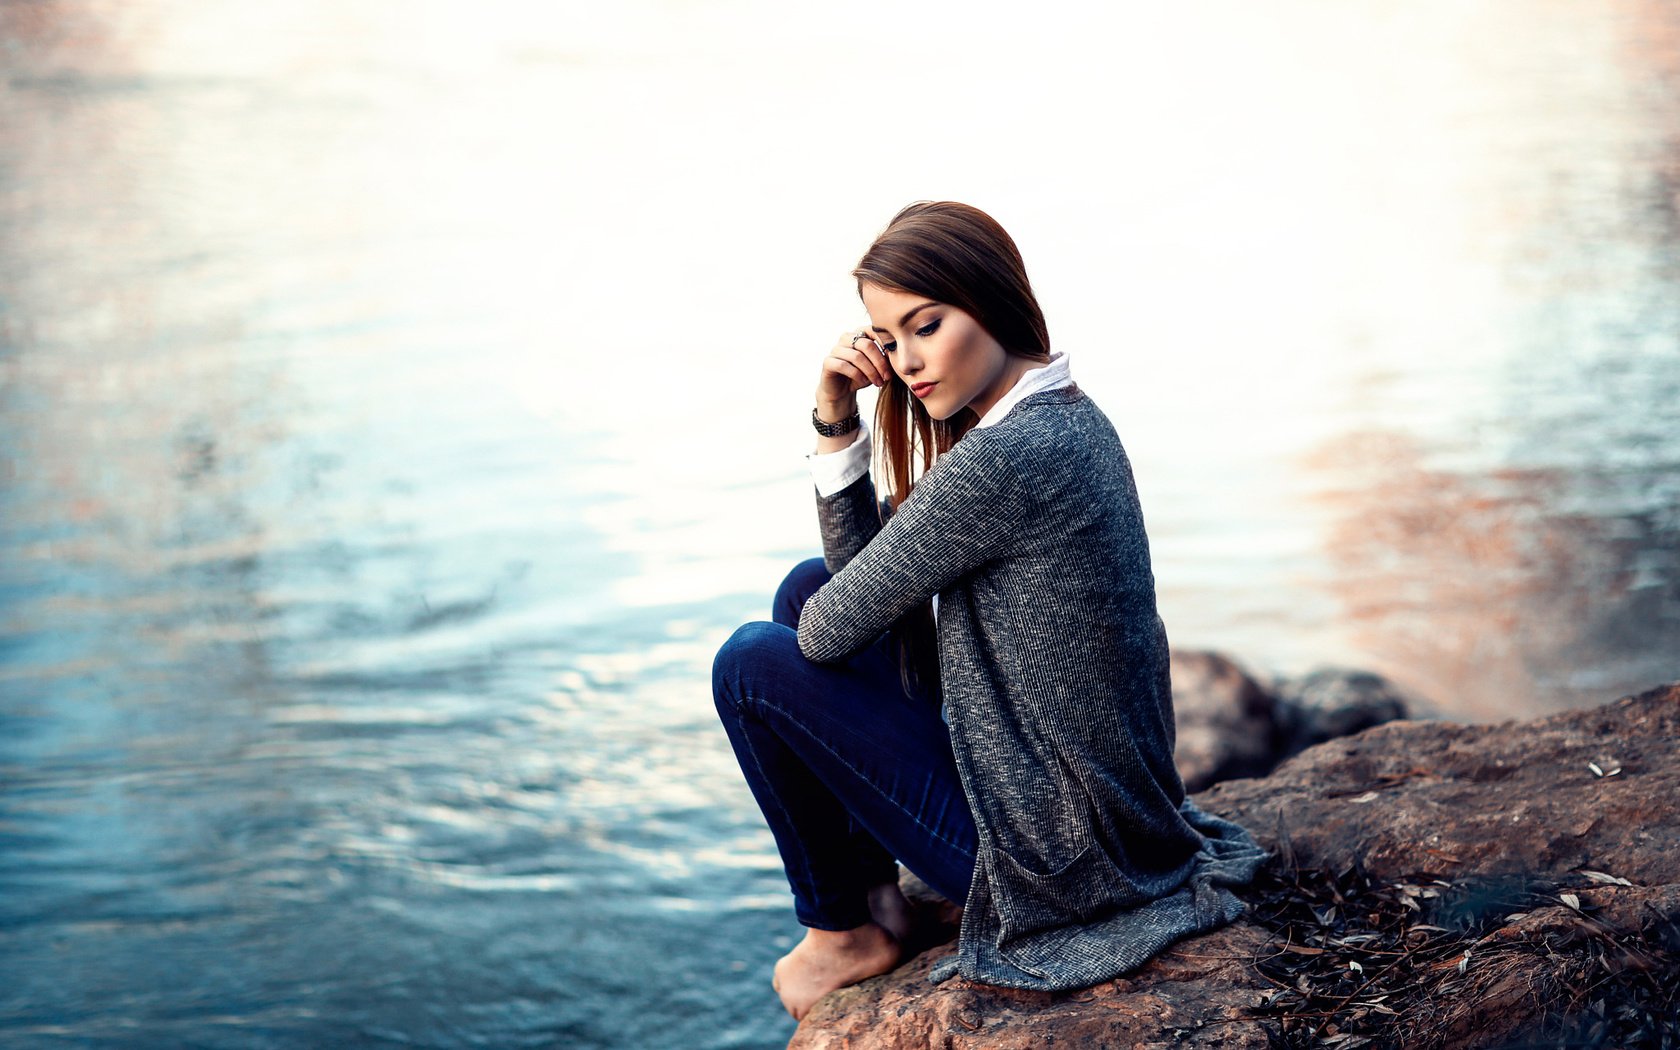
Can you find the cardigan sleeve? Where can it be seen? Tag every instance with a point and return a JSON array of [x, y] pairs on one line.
[[849, 519], [961, 514], [831, 472], [847, 512]]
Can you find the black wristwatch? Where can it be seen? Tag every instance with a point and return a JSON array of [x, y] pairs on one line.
[[834, 430]]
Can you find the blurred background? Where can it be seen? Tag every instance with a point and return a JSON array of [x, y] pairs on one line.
[[401, 400]]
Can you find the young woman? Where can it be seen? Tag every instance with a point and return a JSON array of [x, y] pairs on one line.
[[973, 679]]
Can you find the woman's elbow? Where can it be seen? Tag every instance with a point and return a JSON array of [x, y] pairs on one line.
[[810, 645], [817, 644]]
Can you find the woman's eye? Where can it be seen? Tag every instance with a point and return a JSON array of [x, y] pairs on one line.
[[887, 348], [928, 329]]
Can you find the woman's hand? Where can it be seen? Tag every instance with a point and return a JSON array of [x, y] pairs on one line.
[[854, 362]]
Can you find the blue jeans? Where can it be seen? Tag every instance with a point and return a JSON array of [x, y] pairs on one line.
[[850, 770]]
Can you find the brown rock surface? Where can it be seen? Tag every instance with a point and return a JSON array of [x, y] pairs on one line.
[[1511, 798], [1405, 799]]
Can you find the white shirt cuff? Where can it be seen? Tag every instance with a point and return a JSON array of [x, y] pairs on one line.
[[833, 471]]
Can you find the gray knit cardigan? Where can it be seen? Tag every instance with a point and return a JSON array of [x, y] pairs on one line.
[[1053, 663]]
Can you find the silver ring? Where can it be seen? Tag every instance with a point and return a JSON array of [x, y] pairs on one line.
[[859, 335]]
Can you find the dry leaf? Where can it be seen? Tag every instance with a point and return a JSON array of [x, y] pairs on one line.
[[1599, 876]]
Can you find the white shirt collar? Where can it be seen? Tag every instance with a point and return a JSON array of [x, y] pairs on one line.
[[1052, 376]]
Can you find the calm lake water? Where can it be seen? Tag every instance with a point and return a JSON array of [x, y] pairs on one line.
[[400, 402]]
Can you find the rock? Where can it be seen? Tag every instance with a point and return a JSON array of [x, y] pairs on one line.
[[1509, 798], [1230, 725], [1408, 800], [1332, 702], [1225, 719], [1199, 986]]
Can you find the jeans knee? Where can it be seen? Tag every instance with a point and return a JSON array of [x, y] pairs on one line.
[[751, 647], [799, 584]]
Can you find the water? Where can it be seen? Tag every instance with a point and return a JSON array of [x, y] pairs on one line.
[[398, 406]]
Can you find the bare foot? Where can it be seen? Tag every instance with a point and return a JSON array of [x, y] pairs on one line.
[[830, 959]]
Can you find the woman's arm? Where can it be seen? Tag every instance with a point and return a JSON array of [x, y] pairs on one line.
[[847, 516], [962, 513], [849, 519]]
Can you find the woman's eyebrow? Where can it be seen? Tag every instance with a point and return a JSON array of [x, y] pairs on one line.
[[902, 321]]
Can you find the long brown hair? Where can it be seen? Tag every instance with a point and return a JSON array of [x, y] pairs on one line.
[[955, 254]]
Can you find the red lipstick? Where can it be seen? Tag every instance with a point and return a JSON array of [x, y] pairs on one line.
[[921, 389]]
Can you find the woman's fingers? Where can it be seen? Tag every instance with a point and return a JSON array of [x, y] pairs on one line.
[[861, 360], [855, 377], [852, 364], [860, 350], [871, 348]]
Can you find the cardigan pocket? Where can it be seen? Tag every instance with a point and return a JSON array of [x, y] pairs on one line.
[[1039, 913]]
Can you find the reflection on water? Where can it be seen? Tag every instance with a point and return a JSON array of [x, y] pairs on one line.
[[1493, 584], [398, 406]]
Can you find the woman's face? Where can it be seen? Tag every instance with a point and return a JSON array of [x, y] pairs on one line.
[[943, 355]]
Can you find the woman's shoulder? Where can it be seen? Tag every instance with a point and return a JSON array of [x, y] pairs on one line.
[[1065, 453], [1050, 436], [1055, 428]]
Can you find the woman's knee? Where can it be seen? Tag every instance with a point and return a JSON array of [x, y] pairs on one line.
[[797, 586], [752, 649]]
